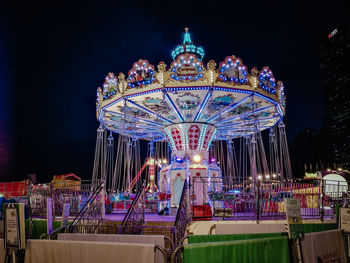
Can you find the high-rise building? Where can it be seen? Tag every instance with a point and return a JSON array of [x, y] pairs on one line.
[[335, 70]]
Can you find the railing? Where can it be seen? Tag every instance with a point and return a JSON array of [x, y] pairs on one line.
[[152, 204], [55, 232], [265, 200], [167, 231], [135, 217], [91, 211], [176, 256], [62, 193], [183, 215]]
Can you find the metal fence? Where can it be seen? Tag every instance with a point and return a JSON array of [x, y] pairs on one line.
[[265, 199], [135, 217], [62, 193], [183, 215], [168, 232]]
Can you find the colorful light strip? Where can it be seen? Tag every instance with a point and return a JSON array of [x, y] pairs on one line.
[[187, 88], [234, 105], [206, 99], [211, 139], [150, 112], [170, 138], [183, 140], [279, 109], [246, 122], [142, 93], [138, 126], [221, 130], [201, 136], [244, 114], [233, 90], [108, 105], [129, 117], [265, 98], [173, 107], [186, 138]]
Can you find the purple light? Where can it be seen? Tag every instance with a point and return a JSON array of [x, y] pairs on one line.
[[212, 160]]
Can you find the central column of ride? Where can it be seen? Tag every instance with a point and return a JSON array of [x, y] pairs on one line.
[[190, 144]]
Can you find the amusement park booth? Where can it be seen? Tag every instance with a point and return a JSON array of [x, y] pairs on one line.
[[66, 181]]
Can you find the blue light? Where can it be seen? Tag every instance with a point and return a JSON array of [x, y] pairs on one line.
[[265, 98], [173, 107], [150, 112], [202, 106], [234, 105], [179, 159], [234, 191]]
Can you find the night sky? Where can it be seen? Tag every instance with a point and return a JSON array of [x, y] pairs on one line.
[[54, 56]]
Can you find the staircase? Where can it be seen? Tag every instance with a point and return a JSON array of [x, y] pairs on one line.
[[134, 219], [91, 215]]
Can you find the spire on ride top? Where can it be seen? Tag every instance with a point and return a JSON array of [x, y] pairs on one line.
[[187, 37], [188, 47]]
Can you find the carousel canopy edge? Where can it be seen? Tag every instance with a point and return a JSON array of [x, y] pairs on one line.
[[187, 91]]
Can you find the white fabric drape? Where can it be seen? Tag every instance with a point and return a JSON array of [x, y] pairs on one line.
[[62, 251], [326, 246], [2, 250], [147, 239]]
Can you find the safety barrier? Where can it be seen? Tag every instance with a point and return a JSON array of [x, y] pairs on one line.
[[265, 199], [327, 246], [62, 193], [157, 240], [40, 251], [264, 249], [168, 232]]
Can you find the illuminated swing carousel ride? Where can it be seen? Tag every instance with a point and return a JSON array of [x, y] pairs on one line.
[[203, 124]]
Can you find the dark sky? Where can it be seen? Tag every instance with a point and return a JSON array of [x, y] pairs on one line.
[[54, 56]]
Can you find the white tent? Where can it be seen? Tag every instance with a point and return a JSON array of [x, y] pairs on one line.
[[335, 185]]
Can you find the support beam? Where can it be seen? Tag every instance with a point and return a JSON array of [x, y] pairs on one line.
[[244, 114], [149, 111], [172, 105], [205, 101], [231, 107]]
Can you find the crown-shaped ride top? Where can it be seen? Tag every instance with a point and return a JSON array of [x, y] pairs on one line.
[[188, 47], [215, 103]]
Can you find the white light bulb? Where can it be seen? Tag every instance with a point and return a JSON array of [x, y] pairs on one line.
[[197, 158]]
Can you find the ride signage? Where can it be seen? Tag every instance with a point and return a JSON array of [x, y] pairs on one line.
[[345, 219], [14, 227], [294, 221]]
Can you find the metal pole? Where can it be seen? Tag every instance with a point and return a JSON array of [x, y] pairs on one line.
[[299, 250], [258, 204], [322, 199]]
